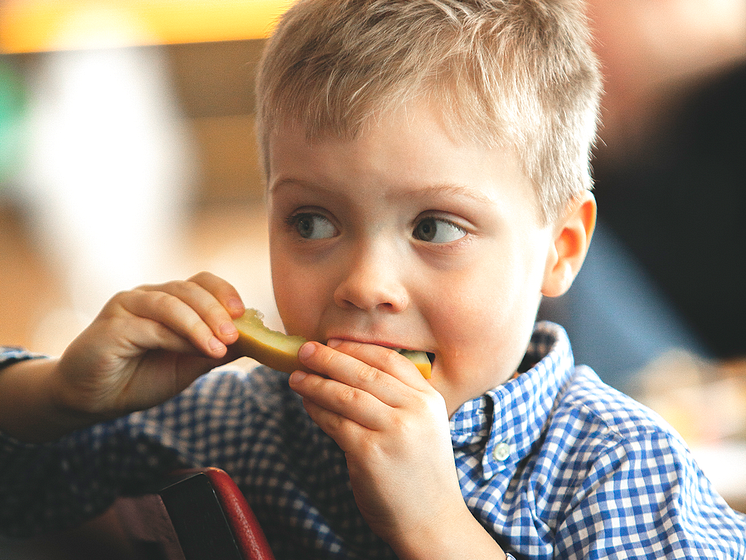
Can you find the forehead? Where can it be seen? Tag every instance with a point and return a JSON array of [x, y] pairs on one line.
[[405, 150]]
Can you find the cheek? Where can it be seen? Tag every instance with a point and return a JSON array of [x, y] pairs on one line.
[[289, 288], [489, 313], [301, 294], [463, 316]]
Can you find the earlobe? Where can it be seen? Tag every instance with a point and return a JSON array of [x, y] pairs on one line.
[[572, 238]]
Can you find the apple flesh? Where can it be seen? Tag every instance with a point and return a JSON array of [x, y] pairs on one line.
[[280, 351]]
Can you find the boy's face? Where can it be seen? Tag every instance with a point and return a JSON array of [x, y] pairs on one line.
[[408, 238]]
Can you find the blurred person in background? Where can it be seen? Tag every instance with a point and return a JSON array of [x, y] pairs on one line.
[[670, 175], [107, 172]]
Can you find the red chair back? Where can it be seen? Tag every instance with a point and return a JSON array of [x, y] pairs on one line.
[[201, 516]]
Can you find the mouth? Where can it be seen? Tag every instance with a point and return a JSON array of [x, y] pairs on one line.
[[430, 355], [420, 357], [400, 350]]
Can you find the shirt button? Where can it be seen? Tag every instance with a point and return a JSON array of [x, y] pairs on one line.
[[501, 451]]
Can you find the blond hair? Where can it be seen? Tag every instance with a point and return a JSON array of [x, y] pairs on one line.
[[518, 73]]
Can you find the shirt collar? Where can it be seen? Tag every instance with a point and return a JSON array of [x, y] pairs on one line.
[[523, 404]]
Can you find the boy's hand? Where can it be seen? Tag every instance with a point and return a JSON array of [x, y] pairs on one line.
[[394, 429], [147, 345]]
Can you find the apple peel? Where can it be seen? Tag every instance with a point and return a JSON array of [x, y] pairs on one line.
[[279, 351]]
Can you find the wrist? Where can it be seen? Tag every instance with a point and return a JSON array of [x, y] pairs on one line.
[[31, 409], [451, 536]]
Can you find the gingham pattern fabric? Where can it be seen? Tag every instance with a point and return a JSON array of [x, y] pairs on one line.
[[554, 464]]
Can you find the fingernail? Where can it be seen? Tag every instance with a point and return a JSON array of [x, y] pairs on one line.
[[215, 344], [306, 351], [227, 328], [297, 376], [333, 342], [236, 305]]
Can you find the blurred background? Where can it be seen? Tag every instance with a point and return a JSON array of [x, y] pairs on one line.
[[127, 156]]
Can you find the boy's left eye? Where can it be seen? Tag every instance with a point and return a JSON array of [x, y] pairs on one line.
[[435, 230], [313, 226]]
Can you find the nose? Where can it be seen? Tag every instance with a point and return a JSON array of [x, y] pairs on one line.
[[371, 280]]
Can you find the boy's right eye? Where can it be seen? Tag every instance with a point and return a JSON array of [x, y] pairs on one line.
[[312, 226]]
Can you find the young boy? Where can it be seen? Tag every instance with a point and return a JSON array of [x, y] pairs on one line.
[[427, 183]]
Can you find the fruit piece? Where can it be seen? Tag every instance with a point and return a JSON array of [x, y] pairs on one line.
[[420, 360], [280, 351], [272, 348]]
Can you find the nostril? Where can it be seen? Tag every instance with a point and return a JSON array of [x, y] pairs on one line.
[[370, 282]]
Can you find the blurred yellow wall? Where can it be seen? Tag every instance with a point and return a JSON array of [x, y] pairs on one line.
[[44, 25]]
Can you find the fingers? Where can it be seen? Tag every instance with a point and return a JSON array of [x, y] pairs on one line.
[[332, 404], [183, 315], [224, 292], [360, 386], [376, 370], [379, 358]]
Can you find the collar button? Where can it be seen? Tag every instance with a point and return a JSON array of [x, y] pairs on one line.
[[501, 451]]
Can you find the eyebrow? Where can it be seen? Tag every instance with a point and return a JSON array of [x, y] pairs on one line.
[[428, 191], [425, 191], [294, 182]]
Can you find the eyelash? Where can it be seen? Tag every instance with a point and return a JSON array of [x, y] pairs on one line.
[[443, 220], [293, 220]]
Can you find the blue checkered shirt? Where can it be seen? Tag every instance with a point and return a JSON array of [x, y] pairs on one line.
[[554, 464]]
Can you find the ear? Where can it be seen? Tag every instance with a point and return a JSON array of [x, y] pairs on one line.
[[572, 236]]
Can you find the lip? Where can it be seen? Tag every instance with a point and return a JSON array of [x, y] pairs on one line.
[[376, 342]]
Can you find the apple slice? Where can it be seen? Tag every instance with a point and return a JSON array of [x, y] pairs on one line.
[[280, 351]]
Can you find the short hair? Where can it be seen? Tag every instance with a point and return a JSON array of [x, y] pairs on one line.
[[518, 73]]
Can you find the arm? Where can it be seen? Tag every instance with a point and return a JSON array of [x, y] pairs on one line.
[[393, 427], [27, 410], [648, 487], [144, 347]]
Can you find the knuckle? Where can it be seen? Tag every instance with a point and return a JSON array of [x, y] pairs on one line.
[[347, 396], [215, 309], [165, 300], [205, 280], [395, 360], [365, 374], [337, 425], [116, 303], [400, 424], [369, 445], [202, 275], [326, 359], [185, 287], [170, 286], [179, 288]]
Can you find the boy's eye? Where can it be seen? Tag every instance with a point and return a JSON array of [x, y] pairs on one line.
[[436, 230], [313, 226]]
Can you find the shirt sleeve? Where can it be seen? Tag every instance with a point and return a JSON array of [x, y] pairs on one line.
[[647, 498], [57, 485], [10, 355]]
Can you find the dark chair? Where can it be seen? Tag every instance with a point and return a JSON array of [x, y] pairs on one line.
[[201, 516]]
